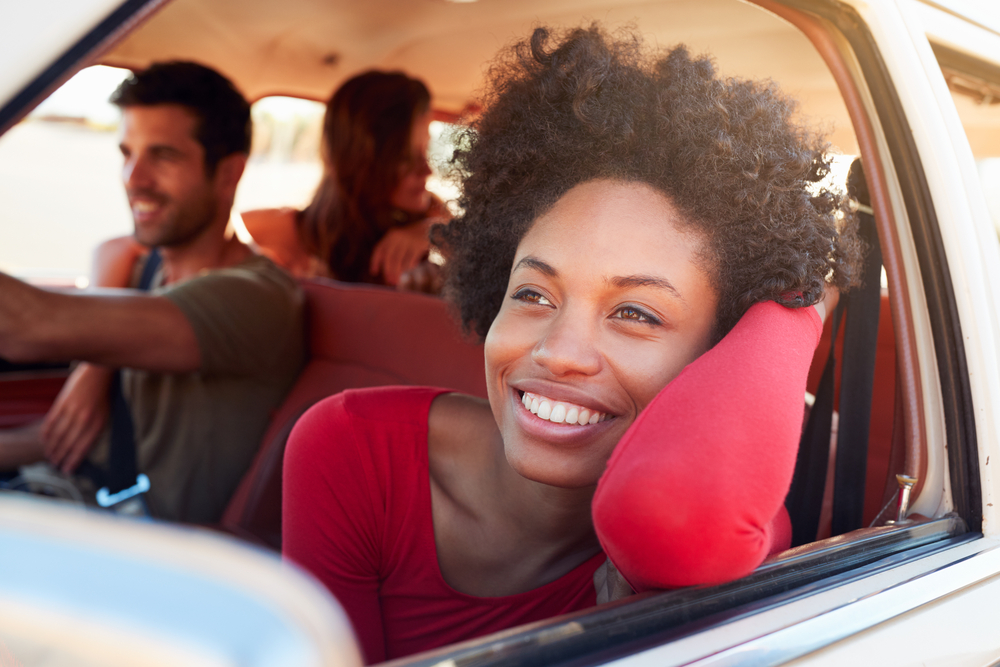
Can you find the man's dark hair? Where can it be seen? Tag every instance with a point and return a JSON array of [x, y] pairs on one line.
[[223, 113], [568, 108]]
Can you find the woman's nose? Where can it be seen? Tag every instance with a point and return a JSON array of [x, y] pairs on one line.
[[569, 346]]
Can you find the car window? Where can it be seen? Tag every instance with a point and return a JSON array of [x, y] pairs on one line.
[[60, 182], [285, 162], [975, 89], [60, 174]]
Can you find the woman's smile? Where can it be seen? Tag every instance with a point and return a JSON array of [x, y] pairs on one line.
[[559, 412], [608, 299]]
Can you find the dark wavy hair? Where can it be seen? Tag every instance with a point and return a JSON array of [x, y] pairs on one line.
[[224, 125], [366, 137], [564, 109]]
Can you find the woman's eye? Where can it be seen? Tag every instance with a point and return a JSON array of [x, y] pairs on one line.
[[636, 315], [531, 296]]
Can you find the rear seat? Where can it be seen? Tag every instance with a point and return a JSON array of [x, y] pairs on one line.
[[358, 336]]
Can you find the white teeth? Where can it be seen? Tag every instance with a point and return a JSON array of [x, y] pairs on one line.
[[558, 415], [571, 415], [559, 412]]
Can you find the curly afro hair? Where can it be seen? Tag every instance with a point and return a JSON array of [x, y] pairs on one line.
[[584, 105]]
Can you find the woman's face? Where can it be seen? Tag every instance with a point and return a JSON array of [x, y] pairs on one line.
[[606, 303], [411, 194]]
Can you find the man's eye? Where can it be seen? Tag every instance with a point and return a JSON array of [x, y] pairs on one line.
[[636, 315], [531, 296]]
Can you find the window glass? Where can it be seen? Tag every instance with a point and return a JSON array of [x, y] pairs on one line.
[[285, 164], [60, 174], [975, 89], [60, 181]]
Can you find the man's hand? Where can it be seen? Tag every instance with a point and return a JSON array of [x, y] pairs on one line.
[[77, 416], [400, 250]]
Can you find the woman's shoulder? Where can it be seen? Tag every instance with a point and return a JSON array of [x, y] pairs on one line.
[[384, 405], [270, 223], [275, 232], [382, 427]]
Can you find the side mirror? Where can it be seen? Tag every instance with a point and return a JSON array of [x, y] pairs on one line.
[[79, 587]]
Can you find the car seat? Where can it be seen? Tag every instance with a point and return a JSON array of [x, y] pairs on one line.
[[357, 336]]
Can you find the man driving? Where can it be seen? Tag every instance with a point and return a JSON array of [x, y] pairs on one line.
[[209, 352]]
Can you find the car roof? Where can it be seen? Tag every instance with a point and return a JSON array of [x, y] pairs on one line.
[[306, 48]]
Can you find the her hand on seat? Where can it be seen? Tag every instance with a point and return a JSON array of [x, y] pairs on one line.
[[77, 416], [400, 250], [425, 277]]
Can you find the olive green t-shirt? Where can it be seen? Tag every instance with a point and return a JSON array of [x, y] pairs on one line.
[[197, 433]]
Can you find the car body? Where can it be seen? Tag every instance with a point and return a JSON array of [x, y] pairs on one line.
[[907, 84]]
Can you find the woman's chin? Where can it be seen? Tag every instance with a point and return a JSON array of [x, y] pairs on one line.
[[563, 472]]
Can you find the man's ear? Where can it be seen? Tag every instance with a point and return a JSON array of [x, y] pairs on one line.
[[227, 174]]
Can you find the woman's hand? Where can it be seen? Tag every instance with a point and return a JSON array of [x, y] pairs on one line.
[[425, 277], [400, 250], [77, 416]]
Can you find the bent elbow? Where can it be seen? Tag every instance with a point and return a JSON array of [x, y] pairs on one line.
[[659, 545]]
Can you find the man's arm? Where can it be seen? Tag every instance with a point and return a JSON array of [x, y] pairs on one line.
[[80, 411], [122, 329]]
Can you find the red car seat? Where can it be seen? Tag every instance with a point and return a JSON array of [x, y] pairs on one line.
[[357, 336]]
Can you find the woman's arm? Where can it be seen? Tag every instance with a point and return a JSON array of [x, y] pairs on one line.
[[692, 491]]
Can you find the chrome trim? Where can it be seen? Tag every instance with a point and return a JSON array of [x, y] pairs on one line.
[[803, 627]]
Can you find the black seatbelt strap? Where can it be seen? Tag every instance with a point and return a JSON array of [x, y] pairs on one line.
[[122, 480], [856, 379], [805, 498]]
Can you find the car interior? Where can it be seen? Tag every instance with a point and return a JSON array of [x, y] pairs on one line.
[[899, 350]]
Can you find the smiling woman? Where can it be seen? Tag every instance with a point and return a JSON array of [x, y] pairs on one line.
[[629, 221]]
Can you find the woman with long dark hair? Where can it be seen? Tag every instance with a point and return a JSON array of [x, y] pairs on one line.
[[369, 218]]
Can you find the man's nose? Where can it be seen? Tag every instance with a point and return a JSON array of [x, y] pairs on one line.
[[423, 166], [570, 345], [136, 173]]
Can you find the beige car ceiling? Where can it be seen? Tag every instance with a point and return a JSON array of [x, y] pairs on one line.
[[306, 48]]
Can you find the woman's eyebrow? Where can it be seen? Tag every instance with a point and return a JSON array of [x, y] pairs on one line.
[[625, 282], [537, 264]]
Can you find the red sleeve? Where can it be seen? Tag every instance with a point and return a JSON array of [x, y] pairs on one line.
[[331, 517], [693, 492]]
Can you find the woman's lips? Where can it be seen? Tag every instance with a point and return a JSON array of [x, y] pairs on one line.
[[561, 412]]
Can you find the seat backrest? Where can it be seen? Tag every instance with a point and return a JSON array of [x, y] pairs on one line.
[[358, 336]]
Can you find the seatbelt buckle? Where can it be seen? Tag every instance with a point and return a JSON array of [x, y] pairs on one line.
[[126, 501]]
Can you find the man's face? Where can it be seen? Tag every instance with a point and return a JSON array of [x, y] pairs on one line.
[[172, 199]]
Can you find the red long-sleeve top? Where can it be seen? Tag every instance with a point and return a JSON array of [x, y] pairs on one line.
[[692, 494]]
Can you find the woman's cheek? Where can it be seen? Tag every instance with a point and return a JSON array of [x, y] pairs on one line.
[[646, 369], [500, 348]]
